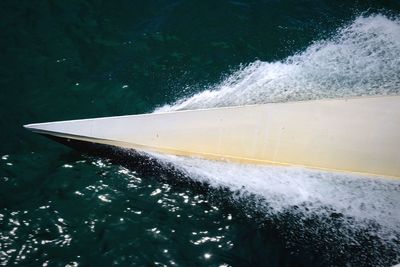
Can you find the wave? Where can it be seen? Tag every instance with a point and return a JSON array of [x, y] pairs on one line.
[[331, 212], [362, 58]]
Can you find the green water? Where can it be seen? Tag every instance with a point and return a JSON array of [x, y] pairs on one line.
[[78, 59]]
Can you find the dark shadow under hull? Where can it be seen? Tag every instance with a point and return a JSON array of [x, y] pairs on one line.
[[132, 159]]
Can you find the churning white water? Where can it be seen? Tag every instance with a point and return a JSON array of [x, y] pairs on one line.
[[363, 198], [363, 58]]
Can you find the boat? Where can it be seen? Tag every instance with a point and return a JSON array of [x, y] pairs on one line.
[[357, 135]]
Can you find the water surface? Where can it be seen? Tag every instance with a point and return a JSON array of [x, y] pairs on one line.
[[79, 59]]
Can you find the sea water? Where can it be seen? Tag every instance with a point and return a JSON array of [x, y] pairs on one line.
[[92, 58]]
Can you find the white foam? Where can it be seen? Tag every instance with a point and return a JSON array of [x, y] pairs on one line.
[[361, 59], [281, 188]]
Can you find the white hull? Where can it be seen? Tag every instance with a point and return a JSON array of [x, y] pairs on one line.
[[355, 135]]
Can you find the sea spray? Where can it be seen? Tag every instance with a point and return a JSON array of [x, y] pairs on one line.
[[363, 198], [361, 59], [332, 213]]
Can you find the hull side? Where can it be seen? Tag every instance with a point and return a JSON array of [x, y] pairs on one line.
[[355, 135]]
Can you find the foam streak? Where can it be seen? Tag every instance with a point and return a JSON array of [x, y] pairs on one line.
[[361, 59]]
